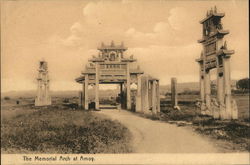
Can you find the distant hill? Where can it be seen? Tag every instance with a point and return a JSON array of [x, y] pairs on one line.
[[191, 86], [73, 93], [181, 87]]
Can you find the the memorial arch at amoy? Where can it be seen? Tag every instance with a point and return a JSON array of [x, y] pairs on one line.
[[215, 55], [112, 67]]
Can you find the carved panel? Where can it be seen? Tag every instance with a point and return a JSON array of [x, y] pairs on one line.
[[210, 48]]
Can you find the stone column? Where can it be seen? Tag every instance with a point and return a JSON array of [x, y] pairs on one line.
[[154, 97], [227, 87], [138, 95], [220, 94], [121, 88], [207, 89], [97, 87], [220, 90], [174, 92], [121, 95], [86, 99], [150, 95], [83, 95], [144, 93], [202, 90], [124, 95], [158, 102], [80, 100], [128, 88], [39, 89]]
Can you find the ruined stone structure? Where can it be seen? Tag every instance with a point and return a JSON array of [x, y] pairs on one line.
[[215, 55], [112, 67], [43, 98]]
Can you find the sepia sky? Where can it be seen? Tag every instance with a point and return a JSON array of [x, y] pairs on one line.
[[162, 35]]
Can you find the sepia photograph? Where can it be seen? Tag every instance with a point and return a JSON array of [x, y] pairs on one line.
[[125, 81]]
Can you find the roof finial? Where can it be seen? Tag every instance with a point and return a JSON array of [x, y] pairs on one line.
[[207, 14], [102, 44], [225, 45], [215, 9], [112, 43], [122, 44], [211, 11]]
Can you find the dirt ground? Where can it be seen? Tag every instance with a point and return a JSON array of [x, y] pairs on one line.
[[159, 137]]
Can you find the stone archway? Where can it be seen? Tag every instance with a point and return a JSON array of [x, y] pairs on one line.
[[119, 70], [215, 55]]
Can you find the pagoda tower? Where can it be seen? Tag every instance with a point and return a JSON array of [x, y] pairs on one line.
[[43, 98]]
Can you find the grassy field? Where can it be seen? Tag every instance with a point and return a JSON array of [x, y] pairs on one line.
[[59, 129]]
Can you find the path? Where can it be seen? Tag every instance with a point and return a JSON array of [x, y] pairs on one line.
[[159, 137]]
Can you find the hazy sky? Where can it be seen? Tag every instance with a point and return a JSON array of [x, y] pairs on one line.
[[162, 35]]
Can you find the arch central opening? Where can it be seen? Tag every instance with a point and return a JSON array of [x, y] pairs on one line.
[[110, 96]]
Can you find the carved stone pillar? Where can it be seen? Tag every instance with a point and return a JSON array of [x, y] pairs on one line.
[[174, 92], [227, 87], [86, 99], [128, 88], [97, 87], [154, 97], [138, 107], [80, 103], [150, 95], [220, 94], [158, 102], [144, 93], [202, 89], [207, 86], [83, 95]]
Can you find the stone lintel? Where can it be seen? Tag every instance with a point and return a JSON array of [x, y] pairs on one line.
[[128, 60], [96, 60], [88, 72], [136, 72], [219, 32], [112, 48], [225, 53], [200, 60], [220, 15], [201, 40]]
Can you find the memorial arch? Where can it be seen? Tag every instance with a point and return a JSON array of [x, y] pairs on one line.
[[215, 55], [112, 67]]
